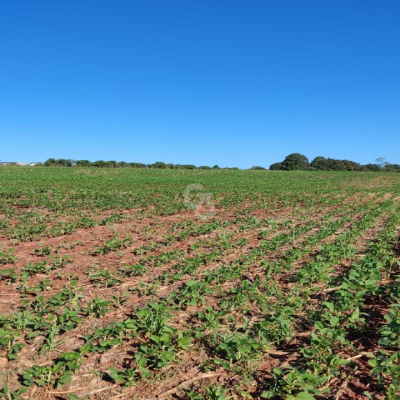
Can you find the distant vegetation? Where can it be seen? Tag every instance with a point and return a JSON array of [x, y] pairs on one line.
[[293, 162], [62, 162], [299, 162]]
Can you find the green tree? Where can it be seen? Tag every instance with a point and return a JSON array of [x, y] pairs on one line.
[[295, 161], [157, 164], [82, 163], [276, 167], [372, 167], [137, 165], [382, 162], [50, 162], [98, 164], [320, 163]]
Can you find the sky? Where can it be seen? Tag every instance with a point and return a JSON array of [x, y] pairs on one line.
[[236, 83]]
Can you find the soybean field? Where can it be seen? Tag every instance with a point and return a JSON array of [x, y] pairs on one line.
[[198, 284]]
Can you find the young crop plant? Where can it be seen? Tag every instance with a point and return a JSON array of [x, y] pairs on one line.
[[191, 294], [293, 383], [9, 342], [237, 347], [8, 275], [211, 319], [127, 377], [276, 328], [137, 269], [145, 289], [7, 257], [212, 392], [386, 369], [57, 374], [113, 244], [104, 278], [97, 307], [42, 250]]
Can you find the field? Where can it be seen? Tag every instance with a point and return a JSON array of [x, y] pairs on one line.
[[178, 284]]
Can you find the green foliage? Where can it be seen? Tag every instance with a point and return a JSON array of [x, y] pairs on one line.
[[212, 392], [7, 257], [390, 332], [56, 374], [294, 384], [386, 367], [258, 168], [113, 244], [61, 162], [276, 166], [295, 161], [330, 164], [238, 347]]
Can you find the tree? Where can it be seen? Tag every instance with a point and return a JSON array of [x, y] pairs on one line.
[[372, 167], [82, 163], [276, 167], [382, 162], [258, 168], [137, 165], [60, 162], [320, 164], [351, 165], [157, 164], [98, 164], [391, 168], [50, 162], [295, 161]]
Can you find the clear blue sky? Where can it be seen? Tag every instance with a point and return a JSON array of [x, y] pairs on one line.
[[228, 82]]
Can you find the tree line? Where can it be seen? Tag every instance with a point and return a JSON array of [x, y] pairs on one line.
[[293, 162], [62, 162], [299, 162]]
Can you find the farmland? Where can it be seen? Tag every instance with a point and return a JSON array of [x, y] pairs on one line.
[[124, 284]]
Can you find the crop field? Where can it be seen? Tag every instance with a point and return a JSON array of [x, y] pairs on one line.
[[176, 284]]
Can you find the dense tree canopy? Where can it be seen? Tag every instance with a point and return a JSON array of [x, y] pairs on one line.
[[276, 167], [330, 164], [297, 161]]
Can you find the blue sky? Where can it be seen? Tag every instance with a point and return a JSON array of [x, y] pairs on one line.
[[228, 82]]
